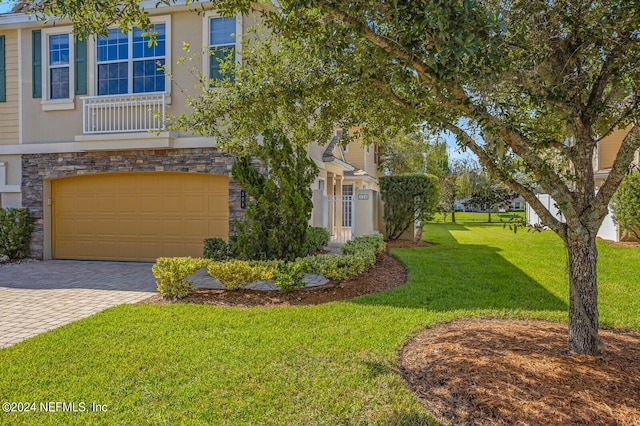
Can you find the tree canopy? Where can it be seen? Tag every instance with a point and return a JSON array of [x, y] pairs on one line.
[[408, 198], [529, 86]]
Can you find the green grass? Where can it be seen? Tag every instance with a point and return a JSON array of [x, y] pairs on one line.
[[475, 217], [327, 364]]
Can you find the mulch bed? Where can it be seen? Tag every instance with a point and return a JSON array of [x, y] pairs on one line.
[[624, 243], [507, 372], [387, 273]]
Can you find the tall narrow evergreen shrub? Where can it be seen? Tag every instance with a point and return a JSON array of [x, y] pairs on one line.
[[278, 202]]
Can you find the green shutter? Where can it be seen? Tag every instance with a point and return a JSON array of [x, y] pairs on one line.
[[3, 73], [81, 66], [36, 65]]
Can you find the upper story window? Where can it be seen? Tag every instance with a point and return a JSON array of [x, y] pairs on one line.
[[127, 63], [55, 55], [222, 35], [59, 66]]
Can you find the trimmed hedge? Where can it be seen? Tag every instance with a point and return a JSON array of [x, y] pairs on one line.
[[171, 274], [316, 239], [372, 242], [234, 273], [358, 256], [407, 198], [337, 267], [289, 276], [16, 226]]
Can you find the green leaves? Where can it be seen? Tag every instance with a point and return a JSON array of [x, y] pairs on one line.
[[626, 204], [407, 198], [172, 274], [15, 232], [279, 200]]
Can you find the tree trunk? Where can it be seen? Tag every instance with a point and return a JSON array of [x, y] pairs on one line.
[[489, 214], [453, 216], [583, 299]]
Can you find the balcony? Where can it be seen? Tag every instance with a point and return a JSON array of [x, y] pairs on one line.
[[123, 113]]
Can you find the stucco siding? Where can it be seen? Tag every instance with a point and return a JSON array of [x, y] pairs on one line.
[[41, 126], [369, 165], [64, 125]]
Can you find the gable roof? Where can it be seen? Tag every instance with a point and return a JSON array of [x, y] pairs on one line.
[[328, 151], [21, 6]]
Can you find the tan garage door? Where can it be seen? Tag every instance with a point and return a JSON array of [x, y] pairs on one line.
[[137, 216]]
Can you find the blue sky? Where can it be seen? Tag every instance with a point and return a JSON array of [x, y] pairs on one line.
[[5, 5], [454, 151]]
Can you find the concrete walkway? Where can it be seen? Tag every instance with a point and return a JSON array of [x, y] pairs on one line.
[[39, 296]]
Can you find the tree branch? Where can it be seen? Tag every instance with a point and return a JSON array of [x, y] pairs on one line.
[[546, 216], [393, 95], [630, 144], [616, 124], [609, 68], [379, 40], [463, 103]]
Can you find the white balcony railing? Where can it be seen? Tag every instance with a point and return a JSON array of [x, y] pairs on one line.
[[123, 113]]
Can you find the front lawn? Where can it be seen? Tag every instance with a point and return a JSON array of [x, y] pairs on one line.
[[325, 364], [480, 217]]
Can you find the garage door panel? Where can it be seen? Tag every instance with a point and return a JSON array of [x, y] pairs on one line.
[[137, 216], [148, 226], [172, 206], [172, 227], [196, 228], [195, 204], [128, 226], [194, 249]]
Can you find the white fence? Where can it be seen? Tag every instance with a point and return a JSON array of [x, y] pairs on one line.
[[340, 217], [547, 201], [123, 113], [608, 230]]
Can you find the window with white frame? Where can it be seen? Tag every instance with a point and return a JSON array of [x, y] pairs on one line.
[[128, 63], [59, 66], [222, 44]]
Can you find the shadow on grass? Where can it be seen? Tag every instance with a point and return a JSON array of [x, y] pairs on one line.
[[449, 276]]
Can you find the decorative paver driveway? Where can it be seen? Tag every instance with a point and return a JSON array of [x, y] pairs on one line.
[[36, 297], [40, 296]]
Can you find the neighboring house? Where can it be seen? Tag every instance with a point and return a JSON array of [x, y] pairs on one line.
[[604, 156], [75, 145], [518, 203], [465, 205], [346, 190]]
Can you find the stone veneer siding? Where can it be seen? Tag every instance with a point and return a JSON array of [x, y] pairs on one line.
[[38, 167]]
